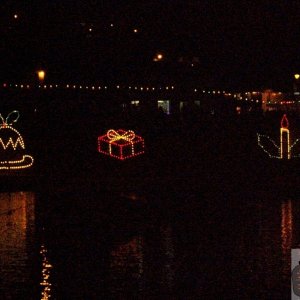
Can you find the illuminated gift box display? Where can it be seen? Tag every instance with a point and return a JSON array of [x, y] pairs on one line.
[[285, 150], [121, 144], [12, 146]]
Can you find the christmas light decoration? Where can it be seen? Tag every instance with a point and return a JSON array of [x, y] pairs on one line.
[[12, 145], [121, 144], [285, 138], [284, 151]]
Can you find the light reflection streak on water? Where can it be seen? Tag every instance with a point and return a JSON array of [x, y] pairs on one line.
[[286, 227], [167, 242], [46, 272], [129, 258], [16, 229], [129, 252]]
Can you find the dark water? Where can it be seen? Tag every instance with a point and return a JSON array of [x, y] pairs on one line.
[[210, 244], [202, 215]]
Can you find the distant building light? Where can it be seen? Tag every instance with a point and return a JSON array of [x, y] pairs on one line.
[[164, 105], [16, 16], [297, 76], [135, 102]]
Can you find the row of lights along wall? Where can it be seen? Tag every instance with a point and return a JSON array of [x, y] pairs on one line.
[[106, 87]]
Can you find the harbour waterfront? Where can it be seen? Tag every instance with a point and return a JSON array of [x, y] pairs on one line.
[[149, 150]]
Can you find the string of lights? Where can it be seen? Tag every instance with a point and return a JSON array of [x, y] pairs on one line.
[[248, 96], [108, 87]]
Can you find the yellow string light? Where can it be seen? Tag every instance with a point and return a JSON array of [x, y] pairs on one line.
[[284, 142], [26, 161]]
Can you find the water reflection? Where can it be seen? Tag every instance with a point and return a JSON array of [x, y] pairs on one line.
[[286, 227], [17, 225], [168, 248], [46, 272], [286, 235], [127, 265], [128, 254]]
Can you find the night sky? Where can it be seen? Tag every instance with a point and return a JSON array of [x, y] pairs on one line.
[[223, 44]]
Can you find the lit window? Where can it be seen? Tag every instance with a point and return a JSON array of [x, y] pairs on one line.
[[165, 105], [135, 102]]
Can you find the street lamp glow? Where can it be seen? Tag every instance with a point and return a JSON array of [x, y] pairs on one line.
[[41, 75], [297, 76], [158, 57]]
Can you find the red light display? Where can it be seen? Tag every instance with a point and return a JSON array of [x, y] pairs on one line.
[[121, 144], [284, 122]]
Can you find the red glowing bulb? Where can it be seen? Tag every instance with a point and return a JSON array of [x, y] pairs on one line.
[[284, 122]]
